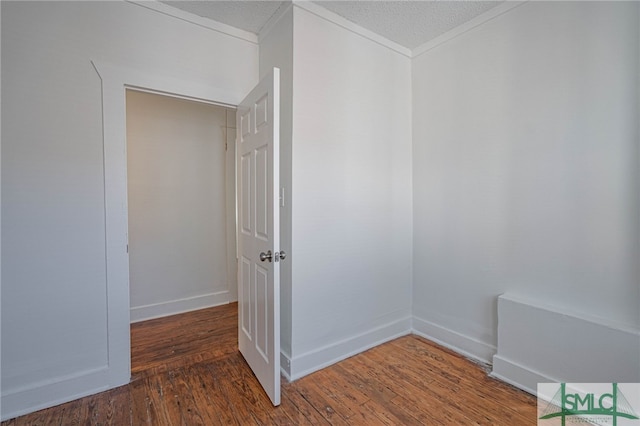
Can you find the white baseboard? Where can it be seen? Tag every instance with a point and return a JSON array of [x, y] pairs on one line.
[[300, 366], [53, 392], [518, 375], [173, 307], [458, 342]]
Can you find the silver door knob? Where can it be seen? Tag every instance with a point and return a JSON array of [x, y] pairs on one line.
[[266, 256], [282, 255]]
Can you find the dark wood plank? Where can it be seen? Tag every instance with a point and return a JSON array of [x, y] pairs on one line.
[[186, 370], [322, 401], [184, 339], [140, 403], [299, 409], [203, 388]]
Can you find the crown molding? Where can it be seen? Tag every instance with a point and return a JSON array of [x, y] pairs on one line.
[[334, 18], [468, 26], [274, 20], [192, 18]]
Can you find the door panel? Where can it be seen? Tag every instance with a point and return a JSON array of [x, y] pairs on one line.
[[245, 182], [257, 186], [246, 319], [262, 215]]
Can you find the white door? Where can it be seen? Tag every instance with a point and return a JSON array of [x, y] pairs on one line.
[[257, 156]]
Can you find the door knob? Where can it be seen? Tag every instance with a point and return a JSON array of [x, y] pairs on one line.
[[282, 255], [266, 256]]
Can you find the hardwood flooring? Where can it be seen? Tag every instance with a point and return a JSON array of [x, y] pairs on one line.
[[186, 370]]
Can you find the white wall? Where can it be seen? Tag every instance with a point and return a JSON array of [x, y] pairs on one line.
[[177, 189], [276, 50], [526, 170], [351, 193], [53, 228]]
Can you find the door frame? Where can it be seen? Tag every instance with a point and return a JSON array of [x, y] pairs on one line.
[[115, 81]]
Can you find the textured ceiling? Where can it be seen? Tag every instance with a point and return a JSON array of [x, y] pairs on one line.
[[248, 15], [409, 23]]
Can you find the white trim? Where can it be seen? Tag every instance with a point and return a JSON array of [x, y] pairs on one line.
[[178, 96], [326, 14], [569, 311], [54, 392], [285, 366], [458, 342], [467, 26], [116, 257], [180, 306], [338, 20], [114, 81], [192, 18], [273, 21], [517, 375], [320, 358]]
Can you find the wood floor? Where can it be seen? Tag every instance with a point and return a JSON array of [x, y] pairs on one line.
[[187, 371]]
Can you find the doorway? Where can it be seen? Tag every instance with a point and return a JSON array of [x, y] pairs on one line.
[[115, 80], [181, 204]]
